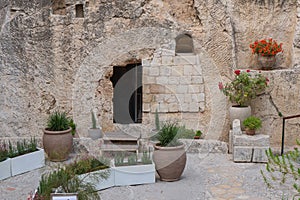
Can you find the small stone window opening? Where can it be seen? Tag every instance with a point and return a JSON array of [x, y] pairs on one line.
[[184, 44], [79, 10]]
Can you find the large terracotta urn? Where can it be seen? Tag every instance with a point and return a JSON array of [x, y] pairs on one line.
[[239, 112], [58, 144], [169, 162]]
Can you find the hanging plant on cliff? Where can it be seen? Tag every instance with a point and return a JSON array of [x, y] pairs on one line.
[[244, 87], [266, 47]]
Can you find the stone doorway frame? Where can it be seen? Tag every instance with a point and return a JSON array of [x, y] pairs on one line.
[[98, 63]]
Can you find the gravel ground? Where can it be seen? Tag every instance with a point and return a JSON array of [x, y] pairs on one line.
[[206, 177]]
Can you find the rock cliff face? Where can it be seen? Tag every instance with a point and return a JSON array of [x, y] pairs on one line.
[[60, 55]]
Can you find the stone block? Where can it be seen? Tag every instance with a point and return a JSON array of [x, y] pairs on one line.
[[186, 80], [230, 143], [242, 154], [146, 62], [174, 80], [189, 70], [156, 61], [163, 80], [165, 71], [205, 146], [146, 107], [184, 107], [170, 89], [163, 107], [185, 59], [149, 79], [173, 107], [167, 60], [251, 141], [170, 98], [193, 107], [236, 127], [157, 89], [201, 97], [154, 71], [194, 89], [197, 80], [259, 154], [177, 71], [182, 89]]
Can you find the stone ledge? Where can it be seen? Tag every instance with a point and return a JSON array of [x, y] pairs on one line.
[[205, 146], [258, 140]]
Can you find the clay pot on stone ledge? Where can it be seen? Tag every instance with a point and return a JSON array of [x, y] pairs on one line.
[[250, 132], [266, 62]]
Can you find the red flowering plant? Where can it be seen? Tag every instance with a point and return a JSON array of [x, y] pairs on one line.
[[244, 87], [266, 47]]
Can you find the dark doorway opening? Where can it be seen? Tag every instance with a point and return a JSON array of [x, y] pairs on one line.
[[127, 97]]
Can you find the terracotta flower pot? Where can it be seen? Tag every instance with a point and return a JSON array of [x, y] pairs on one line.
[[249, 131], [169, 162], [58, 144], [266, 62]]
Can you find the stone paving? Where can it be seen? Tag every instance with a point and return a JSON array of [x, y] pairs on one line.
[[211, 176]]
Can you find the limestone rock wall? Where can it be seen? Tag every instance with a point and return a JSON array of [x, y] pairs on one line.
[[53, 57]]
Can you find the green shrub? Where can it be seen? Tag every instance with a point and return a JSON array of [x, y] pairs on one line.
[[94, 123], [146, 158], [58, 121], [167, 135], [87, 164], [22, 148], [198, 133], [252, 123], [279, 169], [66, 179], [3, 152], [157, 123], [184, 133]]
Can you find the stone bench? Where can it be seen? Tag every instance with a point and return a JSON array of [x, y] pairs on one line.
[[246, 148]]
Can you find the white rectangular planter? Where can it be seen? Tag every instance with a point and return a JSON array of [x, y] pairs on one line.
[[27, 162], [5, 169], [102, 183], [134, 175]]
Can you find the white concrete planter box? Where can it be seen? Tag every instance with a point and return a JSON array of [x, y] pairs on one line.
[[27, 162], [5, 169], [102, 183], [134, 174]]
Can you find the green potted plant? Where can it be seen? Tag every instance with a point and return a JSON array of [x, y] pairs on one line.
[[57, 138], [25, 156], [169, 154], [65, 181], [245, 86], [129, 170], [198, 134], [94, 132], [266, 50], [252, 124], [5, 171]]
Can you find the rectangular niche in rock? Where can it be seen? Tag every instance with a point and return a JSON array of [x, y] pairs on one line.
[[79, 10]]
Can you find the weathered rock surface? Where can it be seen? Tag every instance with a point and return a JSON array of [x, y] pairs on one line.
[[50, 59]]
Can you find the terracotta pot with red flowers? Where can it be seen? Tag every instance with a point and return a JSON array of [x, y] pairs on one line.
[[266, 51], [245, 86]]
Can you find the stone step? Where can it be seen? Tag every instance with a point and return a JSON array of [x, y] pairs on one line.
[[119, 136], [119, 148]]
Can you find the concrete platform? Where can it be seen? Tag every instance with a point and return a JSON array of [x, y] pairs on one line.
[[207, 176]]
